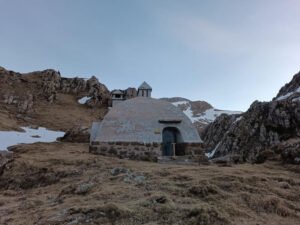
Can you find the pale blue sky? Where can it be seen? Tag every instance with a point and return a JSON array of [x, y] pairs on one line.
[[227, 52]]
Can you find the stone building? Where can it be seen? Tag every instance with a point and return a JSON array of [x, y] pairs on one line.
[[144, 90], [145, 128], [130, 93], [118, 95]]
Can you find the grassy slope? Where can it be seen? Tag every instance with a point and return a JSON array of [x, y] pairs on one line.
[[47, 179], [63, 114]]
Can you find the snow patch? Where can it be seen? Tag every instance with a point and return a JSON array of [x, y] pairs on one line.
[[180, 103], [83, 100], [296, 99], [207, 116], [238, 119], [283, 97], [189, 113], [212, 152], [10, 138]]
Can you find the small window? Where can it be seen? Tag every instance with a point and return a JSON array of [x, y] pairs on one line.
[[118, 96]]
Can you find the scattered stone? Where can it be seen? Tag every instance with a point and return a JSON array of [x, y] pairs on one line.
[[78, 189], [36, 136], [129, 176], [83, 188], [118, 170]]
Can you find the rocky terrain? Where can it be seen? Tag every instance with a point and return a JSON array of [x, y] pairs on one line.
[[201, 113], [61, 183], [45, 98], [267, 130]]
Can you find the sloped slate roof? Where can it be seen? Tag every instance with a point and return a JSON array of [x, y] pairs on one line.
[[145, 85], [137, 120]]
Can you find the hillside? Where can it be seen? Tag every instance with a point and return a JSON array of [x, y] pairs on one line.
[[201, 113], [62, 183], [266, 130], [45, 98]]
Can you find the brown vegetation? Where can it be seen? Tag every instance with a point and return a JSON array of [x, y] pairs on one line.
[[62, 183]]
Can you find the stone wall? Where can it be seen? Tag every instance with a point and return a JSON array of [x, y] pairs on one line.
[[131, 150], [141, 151], [189, 149]]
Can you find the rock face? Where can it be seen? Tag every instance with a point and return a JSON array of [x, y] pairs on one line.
[[261, 131], [47, 85], [52, 83], [291, 89], [24, 103]]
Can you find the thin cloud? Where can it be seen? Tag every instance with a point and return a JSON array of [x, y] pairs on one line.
[[199, 34], [204, 35]]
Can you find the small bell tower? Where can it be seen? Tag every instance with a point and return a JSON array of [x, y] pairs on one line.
[[144, 90]]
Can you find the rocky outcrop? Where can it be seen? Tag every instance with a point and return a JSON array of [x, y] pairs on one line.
[[46, 85], [23, 103], [52, 83], [256, 134], [214, 132], [290, 89], [289, 151]]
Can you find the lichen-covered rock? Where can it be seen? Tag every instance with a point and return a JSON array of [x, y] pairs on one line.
[[263, 126], [289, 151], [53, 83], [26, 104], [23, 90], [23, 103], [50, 84]]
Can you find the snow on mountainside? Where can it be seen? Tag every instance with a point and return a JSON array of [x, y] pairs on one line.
[[283, 97], [200, 113], [290, 90], [207, 116]]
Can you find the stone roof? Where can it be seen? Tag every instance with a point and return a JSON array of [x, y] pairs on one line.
[[117, 91], [139, 120], [145, 86]]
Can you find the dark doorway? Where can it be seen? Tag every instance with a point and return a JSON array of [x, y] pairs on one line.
[[170, 135]]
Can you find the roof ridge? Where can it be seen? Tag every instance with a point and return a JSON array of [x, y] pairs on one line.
[[145, 85]]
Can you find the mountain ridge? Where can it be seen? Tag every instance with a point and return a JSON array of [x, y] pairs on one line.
[[266, 130]]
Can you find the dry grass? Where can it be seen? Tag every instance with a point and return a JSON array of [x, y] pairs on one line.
[[63, 114], [7, 120], [61, 183]]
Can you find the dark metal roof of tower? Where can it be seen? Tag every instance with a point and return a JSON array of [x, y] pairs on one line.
[[145, 86]]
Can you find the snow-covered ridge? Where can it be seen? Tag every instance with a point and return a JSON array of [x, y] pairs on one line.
[[207, 116], [10, 138], [283, 97]]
